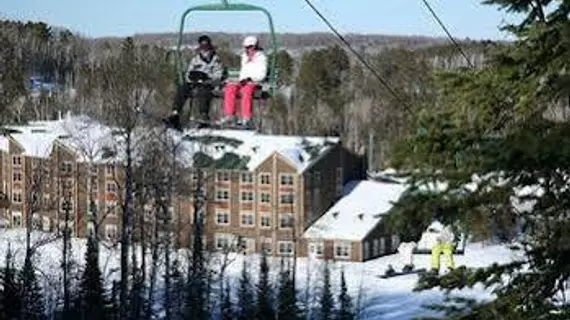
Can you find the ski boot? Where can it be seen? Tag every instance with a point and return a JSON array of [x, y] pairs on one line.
[[227, 122], [173, 121], [246, 124]]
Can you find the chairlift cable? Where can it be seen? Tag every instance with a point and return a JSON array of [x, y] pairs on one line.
[[383, 81], [449, 36]]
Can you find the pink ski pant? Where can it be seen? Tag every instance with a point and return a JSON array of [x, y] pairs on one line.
[[230, 95]]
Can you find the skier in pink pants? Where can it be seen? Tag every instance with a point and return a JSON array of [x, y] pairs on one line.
[[253, 70]]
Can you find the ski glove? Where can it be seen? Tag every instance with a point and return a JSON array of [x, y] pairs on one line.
[[244, 81]]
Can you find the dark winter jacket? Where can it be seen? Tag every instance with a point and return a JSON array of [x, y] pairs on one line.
[[212, 67]]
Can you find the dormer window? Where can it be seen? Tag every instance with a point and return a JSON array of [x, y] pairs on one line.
[[17, 160], [66, 167]]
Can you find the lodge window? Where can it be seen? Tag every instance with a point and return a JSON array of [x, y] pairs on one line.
[[36, 222], [111, 208], [111, 231], [16, 219], [246, 178], [287, 198], [342, 250], [286, 221], [17, 161], [316, 249], [111, 188], [222, 176], [339, 181], [17, 176], [94, 184], [247, 220], [223, 241], [246, 196], [265, 221], [46, 224], [267, 246], [286, 248], [317, 179], [110, 170], [222, 218], [222, 195], [66, 205], [247, 245], [375, 247], [265, 179], [17, 197], [65, 167], [287, 180], [265, 198], [68, 184]]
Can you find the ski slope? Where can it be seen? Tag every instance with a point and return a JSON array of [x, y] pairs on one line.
[[378, 299]]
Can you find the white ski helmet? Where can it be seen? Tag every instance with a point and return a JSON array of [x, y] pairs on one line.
[[250, 41]]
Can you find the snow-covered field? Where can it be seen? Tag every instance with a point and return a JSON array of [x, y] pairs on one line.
[[378, 298]]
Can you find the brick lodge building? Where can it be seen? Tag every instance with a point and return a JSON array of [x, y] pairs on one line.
[[264, 190]]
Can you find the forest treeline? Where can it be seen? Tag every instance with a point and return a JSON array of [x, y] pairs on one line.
[[185, 292], [325, 90]]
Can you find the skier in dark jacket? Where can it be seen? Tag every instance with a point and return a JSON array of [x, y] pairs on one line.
[[207, 61]]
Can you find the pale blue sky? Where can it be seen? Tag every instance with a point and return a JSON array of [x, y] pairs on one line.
[[464, 18]]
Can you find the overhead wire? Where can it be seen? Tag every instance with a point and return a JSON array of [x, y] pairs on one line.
[[458, 47], [377, 75], [449, 36]]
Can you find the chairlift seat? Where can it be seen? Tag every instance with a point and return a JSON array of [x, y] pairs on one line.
[[232, 75]]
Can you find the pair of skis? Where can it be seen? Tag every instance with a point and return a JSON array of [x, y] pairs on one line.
[[408, 269], [195, 124]]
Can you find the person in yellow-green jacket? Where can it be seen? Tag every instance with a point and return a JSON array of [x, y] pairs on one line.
[[443, 245]]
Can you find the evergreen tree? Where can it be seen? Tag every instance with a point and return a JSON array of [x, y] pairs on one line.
[[264, 309], [503, 128], [114, 312], [246, 296], [227, 307], [91, 304], [326, 300], [287, 297], [345, 311], [137, 297], [32, 300], [197, 290], [177, 290], [11, 295]]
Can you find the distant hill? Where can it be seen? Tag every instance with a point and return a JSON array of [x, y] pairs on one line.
[[294, 42]]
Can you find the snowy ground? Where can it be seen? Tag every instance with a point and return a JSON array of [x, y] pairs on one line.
[[379, 298]]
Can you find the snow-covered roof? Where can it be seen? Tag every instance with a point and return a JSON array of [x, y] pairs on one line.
[[229, 149], [358, 211], [254, 147], [4, 144], [37, 138]]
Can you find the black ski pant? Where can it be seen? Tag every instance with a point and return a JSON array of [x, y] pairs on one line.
[[201, 96]]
